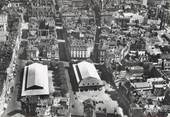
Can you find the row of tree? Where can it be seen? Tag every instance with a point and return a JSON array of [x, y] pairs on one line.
[[59, 78]]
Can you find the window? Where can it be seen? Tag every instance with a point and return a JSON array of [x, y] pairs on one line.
[[1, 27], [72, 106], [104, 109]]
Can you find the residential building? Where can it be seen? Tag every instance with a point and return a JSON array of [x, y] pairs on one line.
[[60, 106], [16, 3], [145, 86], [33, 53], [77, 3], [136, 111], [102, 55], [66, 2], [15, 109], [145, 2], [41, 9], [3, 27], [136, 71], [79, 50], [166, 65], [103, 47], [42, 34], [89, 104], [132, 1], [165, 62], [53, 52], [142, 56]]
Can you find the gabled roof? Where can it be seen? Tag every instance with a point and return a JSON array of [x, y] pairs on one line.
[[35, 75], [35, 80], [88, 70], [85, 70]]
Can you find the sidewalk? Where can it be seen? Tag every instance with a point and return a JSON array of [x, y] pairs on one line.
[[70, 91], [10, 78]]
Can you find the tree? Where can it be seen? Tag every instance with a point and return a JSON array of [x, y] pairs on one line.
[[2, 3], [167, 97]]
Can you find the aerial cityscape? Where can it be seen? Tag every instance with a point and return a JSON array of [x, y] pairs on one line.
[[84, 58]]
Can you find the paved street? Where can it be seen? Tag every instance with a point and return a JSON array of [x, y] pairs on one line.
[[71, 93], [119, 49], [10, 70]]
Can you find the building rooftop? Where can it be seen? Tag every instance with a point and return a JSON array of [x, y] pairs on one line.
[[86, 74], [35, 80], [142, 85], [88, 70]]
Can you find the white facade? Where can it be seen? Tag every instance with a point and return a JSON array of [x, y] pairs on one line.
[[3, 27], [3, 22], [78, 52], [145, 2]]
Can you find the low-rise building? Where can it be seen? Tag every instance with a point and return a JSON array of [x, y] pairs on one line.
[[102, 55], [53, 52], [79, 50], [3, 27], [136, 70], [87, 76], [16, 3], [33, 53], [77, 3], [41, 9], [142, 86], [166, 65], [35, 80]]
